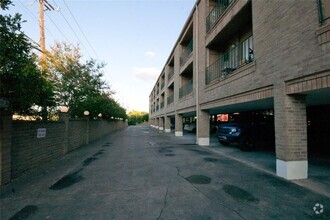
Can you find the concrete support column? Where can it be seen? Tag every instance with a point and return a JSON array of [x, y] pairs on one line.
[[290, 135], [157, 123], [5, 146], [64, 116], [203, 128], [178, 125], [161, 124], [167, 124]]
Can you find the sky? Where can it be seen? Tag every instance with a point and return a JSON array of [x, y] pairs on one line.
[[133, 37]]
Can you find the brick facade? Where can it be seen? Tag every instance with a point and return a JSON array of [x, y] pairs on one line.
[[22, 150], [77, 133], [28, 151], [5, 146], [286, 68]]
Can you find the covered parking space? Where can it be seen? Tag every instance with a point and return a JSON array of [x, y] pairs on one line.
[[180, 119], [298, 117]]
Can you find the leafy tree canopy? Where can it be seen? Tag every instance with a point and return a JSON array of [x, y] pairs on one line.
[[22, 85], [79, 85], [137, 117]]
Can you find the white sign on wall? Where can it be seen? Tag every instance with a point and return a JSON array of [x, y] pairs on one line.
[[41, 132]]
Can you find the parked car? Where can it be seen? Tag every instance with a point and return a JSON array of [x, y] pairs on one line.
[[190, 127], [233, 133], [247, 135]]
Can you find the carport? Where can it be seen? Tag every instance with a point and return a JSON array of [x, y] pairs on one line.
[[291, 126]]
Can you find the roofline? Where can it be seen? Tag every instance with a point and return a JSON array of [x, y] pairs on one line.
[[178, 40]]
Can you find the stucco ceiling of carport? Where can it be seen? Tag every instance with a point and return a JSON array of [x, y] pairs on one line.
[[263, 104]]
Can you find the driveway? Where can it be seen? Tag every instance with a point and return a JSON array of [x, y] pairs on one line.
[[139, 173]]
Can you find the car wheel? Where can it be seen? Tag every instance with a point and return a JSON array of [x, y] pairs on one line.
[[224, 143], [246, 143]]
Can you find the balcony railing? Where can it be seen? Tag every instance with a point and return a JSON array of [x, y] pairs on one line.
[[216, 13], [186, 89], [170, 75], [324, 10], [161, 105], [227, 63], [187, 51], [170, 99]]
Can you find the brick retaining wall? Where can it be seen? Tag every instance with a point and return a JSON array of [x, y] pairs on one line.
[[28, 151], [77, 134], [22, 149]]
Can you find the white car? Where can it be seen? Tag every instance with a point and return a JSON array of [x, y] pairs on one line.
[[190, 127]]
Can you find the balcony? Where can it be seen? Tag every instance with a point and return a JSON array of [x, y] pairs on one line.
[[230, 61], [162, 85], [216, 13], [324, 10], [170, 99], [187, 51], [170, 75], [186, 89]]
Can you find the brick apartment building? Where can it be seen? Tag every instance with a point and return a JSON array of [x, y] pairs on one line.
[[248, 55]]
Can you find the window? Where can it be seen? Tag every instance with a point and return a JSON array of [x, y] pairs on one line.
[[247, 50]]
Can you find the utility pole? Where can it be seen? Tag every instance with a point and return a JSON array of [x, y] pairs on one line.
[[42, 34], [42, 5]]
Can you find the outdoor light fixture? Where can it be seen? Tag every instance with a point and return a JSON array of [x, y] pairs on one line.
[[86, 113], [64, 109]]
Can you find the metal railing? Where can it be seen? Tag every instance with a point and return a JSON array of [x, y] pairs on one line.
[[170, 75], [187, 51], [186, 89], [225, 65], [216, 13], [324, 11], [170, 99]]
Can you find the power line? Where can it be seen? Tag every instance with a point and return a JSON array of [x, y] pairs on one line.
[[34, 44], [74, 33], [57, 28], [34, 17], [80, 29], [50, 7]]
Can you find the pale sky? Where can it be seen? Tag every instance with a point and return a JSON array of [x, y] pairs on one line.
[[133, 37]]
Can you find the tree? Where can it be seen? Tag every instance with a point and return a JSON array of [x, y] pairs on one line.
[[22, 84], [137, 117], [80, 85]]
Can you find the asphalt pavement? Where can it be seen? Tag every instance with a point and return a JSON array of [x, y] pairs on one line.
[[139, 173]]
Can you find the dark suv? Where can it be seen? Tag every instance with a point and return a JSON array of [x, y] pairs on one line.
[[248, 134]]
